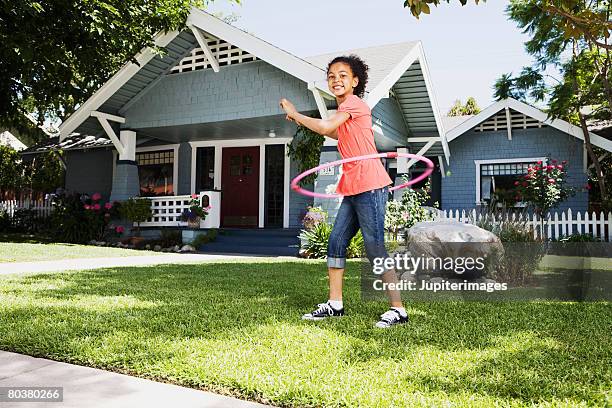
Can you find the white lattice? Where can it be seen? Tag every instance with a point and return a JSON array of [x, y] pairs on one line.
[[499, 122], [224, 52]]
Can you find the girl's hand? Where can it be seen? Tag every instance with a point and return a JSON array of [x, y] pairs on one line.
[[288, 108]]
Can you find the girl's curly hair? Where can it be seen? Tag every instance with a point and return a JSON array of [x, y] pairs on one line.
[[359, 68]]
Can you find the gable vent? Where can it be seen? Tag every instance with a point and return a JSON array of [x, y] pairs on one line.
[[224, 52], [518, 120]]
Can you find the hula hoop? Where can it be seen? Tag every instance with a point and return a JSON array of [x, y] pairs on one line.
[[390, 155]]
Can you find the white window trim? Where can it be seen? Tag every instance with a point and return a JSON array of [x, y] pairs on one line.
[[174, 147], [220, 144], [477, 164]]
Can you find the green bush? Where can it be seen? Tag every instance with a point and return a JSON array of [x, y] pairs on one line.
[[79, 219], [201, 239], [168, 238], [136, 210], [579, 238], [522, 251], [317, 240], [5, 221]]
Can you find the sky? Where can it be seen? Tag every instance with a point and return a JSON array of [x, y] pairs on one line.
[[467, 48]]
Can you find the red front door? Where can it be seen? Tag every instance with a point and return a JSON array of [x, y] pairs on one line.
[[240, 187]]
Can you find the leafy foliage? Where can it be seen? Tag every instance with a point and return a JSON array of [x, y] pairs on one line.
[[305, 149], [55, 54], [543, 187], [409, 210], [418, 7], [470, 108], [136, 210], [571, 36], [10, 169], [79, 218], [317, 241]]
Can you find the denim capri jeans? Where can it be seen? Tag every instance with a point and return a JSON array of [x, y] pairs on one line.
[[366, 211]]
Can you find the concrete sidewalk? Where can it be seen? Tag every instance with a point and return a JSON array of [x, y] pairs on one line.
[[93, 388], [93, 263]]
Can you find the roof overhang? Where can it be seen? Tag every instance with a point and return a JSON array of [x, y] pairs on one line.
[[417, 103], [528, 110], [275, 56]]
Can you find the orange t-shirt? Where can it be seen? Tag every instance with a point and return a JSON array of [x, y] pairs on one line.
[[356, 138]]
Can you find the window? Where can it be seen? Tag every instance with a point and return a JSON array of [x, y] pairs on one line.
[[156, 173], [496, 180], [205, 168]]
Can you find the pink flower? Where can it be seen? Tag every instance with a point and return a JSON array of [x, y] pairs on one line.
[[96, 196], [539, 162], [119, 229], [551, 181], [587, 186], [560, 167], [108, 206], [525, 184], [208, 208], [194, 196], [536, 168], [554, 161], [87, 206], [96, 207], [516, 183], [405, 216], [564, 162]]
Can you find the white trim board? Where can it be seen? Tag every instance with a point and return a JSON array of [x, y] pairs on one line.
[[220, 144], [111, 86], [477, 164], [530, 111]]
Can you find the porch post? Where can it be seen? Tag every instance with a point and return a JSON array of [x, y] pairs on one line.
[[125, 180]]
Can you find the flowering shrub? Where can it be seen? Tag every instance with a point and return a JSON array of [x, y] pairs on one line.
[[314, 216], [543, 187], [408, 210], [195, 210], [79, 218]]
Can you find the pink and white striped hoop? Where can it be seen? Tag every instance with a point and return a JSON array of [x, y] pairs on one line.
[[390, 155]]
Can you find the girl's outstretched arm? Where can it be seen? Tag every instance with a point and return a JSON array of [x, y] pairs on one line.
[[326, 127]]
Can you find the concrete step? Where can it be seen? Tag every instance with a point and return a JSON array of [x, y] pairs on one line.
[[222, 247]]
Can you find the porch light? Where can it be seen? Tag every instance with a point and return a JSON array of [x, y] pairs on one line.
[[272, 133]]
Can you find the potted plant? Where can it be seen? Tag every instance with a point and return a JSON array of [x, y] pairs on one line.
[[195, 213], [136, 210]]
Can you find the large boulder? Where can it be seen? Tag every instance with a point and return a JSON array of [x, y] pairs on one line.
[[452, 239]]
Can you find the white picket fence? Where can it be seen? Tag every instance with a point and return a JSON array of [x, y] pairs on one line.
[[555, 224], [42, 207]]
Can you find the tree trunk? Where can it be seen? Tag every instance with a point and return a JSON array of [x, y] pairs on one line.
[[594, 158]]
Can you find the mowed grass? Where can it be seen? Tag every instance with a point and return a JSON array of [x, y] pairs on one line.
[[30, 252], [235, 328]]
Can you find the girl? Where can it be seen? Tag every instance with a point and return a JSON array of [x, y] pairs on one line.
[[364, 184]]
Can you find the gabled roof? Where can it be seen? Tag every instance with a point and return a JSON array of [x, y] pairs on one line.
[[401, 70], [73, 142], [133, 79], [396, 69], [528, 111]]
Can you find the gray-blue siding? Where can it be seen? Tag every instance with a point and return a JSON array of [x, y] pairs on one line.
[[241, 91], [90, 171], [459, 189]]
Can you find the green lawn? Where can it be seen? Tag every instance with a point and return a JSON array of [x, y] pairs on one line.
[[235, 328], [35, 249]]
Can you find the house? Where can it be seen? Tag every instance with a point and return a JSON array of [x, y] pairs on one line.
[[205, 117], [490, 149]]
